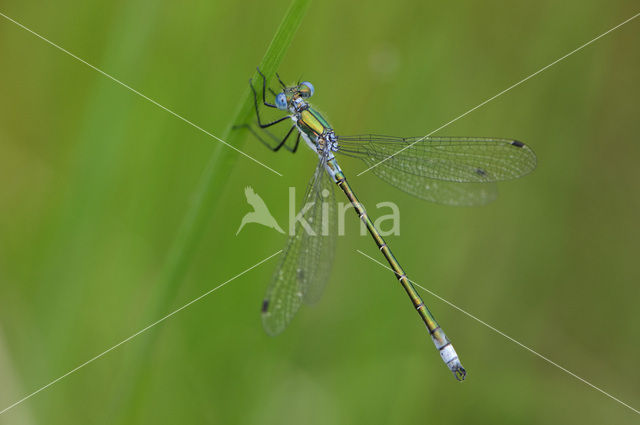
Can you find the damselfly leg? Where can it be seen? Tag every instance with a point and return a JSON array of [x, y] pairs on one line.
[[280, 142], [264, 88]]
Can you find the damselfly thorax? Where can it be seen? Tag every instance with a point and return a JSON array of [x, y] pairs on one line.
[[313, 127]]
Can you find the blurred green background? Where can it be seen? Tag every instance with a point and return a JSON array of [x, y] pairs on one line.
[[95, 181]]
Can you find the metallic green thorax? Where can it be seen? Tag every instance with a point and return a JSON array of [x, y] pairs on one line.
[[311, 123]]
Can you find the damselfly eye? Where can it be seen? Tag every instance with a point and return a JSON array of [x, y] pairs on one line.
[[281, 101], [305, 89]]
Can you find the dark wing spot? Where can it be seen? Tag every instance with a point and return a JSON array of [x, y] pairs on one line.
[[481, 172], [517, 143], [265, 306]]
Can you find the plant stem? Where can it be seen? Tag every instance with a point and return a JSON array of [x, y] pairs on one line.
[[212, 182]]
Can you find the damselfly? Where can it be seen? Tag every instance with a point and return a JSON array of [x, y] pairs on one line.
[[449, 170]]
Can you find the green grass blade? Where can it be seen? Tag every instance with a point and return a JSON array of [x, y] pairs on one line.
[[223, 158], [198, 215]]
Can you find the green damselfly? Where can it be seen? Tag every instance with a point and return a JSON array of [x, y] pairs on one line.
[[448, 170]]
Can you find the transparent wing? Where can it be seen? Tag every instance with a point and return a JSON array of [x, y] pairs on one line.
[[306, 260], [439, 191], [456, 159], [448, 170], [316, 257]]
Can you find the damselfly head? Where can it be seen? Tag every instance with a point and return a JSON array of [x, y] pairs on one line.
[[294, 96]]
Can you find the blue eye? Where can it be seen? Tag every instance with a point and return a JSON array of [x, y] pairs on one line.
[[281, 101], [309, 89]]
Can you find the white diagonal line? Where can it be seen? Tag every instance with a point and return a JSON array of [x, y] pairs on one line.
[[508, 337], [502, 92], [138, 93], [135, 334]]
